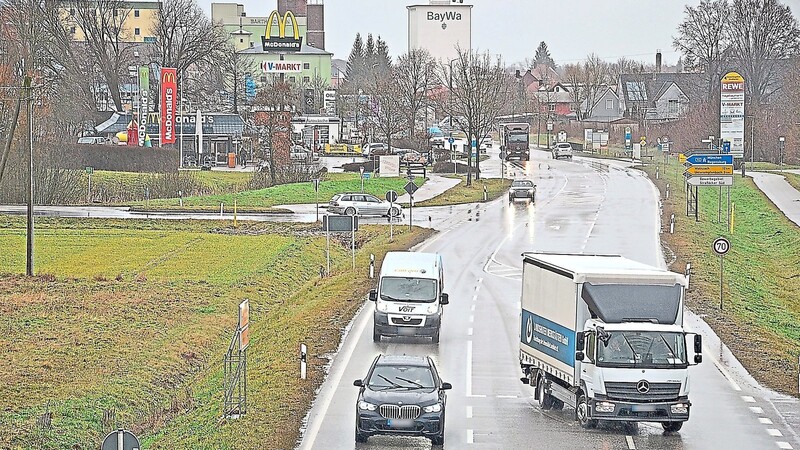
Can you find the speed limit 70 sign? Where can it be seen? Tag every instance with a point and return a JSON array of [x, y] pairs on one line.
[[721, 246]]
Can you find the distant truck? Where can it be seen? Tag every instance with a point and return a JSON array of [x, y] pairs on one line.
[[410, 296], [604, 335], [515, 141]]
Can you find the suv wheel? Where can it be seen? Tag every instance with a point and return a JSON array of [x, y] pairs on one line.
[[350, 211]]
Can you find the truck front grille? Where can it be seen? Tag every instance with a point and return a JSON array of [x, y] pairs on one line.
[[657, 392], [400, 412]]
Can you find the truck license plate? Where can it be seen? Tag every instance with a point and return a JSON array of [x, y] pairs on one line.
[[643, 408]]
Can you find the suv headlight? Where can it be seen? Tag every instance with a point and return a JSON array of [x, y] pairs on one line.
[[432, 309], [367, 406], [436, 407]]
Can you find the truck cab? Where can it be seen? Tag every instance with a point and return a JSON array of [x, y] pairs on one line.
[[410, 296]]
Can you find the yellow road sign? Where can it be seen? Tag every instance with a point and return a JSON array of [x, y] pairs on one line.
[[708, 169], [681, 158]]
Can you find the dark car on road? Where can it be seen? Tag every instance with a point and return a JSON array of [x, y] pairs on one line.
[[401, 395], [522, 189]]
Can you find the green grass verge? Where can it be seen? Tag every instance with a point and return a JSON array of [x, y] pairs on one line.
[[462, 193], [134, 317], [793, 179], [264, 200], [760, 318]]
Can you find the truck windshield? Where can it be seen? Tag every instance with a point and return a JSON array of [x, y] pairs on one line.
[[399, 289], [518, 138], [646, 349]]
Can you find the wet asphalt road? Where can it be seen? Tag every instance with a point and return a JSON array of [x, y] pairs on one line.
[[582, 206]]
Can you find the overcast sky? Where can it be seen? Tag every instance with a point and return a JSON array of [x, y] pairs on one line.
[[572, 29]]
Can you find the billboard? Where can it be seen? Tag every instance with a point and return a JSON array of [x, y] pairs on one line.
[[440, 29], [169, 90], [144, 102], [731, 112], [281, 66], [280, 42]]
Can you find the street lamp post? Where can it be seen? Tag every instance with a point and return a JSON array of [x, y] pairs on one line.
[[781, 140], [450, 106]]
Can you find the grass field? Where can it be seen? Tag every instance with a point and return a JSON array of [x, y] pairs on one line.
[[132, 318], [214, 181], [760, 318], [461, 193], [285, 194]]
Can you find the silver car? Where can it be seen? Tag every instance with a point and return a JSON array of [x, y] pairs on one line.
[[360, 204]]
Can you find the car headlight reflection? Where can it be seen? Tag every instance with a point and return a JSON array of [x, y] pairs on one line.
[[366, 406], [436, 407]]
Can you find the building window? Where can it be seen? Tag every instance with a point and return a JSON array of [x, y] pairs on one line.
[[72, 30], [135, 13], [263, 78], [115, 13], [292, 79], [241, 40], [673, 107], [306, 66], [609, 104], [137, 31], [306, 79], [72, 11], [551, 107]]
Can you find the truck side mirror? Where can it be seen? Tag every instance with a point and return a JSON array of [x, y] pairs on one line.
[[445, 299], [698, 358], [579, 344], [579, 356], [373, 295]]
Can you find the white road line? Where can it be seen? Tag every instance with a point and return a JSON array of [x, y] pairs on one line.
[[469, 368], [428, 243], [757, 409], [785, 445], [477, 288], [469, 331], [469, 412], [765, 421], [722, 370], [474, 298], [471, 318], [480, 280], [472, 308], [345, 354], [631, 445], [774, 432], [470, 437], [507, 396], [748, 399]]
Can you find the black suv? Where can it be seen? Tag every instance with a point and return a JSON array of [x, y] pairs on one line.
[[401, 395]]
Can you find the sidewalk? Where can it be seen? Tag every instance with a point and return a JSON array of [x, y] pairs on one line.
[[780, 192], [435, 185]]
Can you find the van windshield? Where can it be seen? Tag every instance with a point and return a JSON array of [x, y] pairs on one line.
[[409, 289]]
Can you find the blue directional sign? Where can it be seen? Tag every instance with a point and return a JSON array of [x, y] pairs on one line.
[[726, 147], [715, 159], [451, 140]]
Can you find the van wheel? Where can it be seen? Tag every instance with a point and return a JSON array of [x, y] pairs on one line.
[[376, 336], [671, 427], [582, 413], [545, 400]]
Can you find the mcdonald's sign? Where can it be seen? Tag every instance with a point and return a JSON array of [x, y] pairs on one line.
[[281, 42], [169, 90]]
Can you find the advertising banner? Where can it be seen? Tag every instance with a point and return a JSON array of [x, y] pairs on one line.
[[731, 114], [144, 102], [169, 96]]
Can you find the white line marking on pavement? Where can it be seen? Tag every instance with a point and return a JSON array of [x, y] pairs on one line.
[[345, 354], [469, 412], [471, 318], [480, 280], [469, 368], [765, 421], [631, 445], [477, 288], [785, 445], [757, 409], [774, 432], [722, 370], [470, 437], [469, 331], [472, 309], [474, 298], [428, 243], [507, 396], [748, 399]]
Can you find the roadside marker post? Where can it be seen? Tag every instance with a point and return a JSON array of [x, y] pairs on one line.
[[221, 208], [688, 273], [667, 195], [371, 266], [303, 361], [485, 194], [235, 223], [672, 224]]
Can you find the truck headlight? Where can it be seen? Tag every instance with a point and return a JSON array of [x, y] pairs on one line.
[[382, 307], [680, 408], [367, 406], [432, 309], [436, 407], [604, 407]]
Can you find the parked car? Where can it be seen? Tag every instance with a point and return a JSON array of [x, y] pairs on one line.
[[401, 395], [360, 204], [414, 156], [375, 149], [92, 140], [522, 189], [562, 150]]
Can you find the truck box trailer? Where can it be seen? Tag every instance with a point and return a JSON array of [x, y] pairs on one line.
[[604, 335]]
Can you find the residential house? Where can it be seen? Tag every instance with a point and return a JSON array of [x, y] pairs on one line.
[[606, 108], [659, 97], [555, 101]]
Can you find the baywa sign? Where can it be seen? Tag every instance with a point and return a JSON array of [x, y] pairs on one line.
[[281, 42]]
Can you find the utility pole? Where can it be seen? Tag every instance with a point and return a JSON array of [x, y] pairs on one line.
[[29, 194]]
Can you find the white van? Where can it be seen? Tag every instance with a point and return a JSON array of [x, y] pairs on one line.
[[410, 296]]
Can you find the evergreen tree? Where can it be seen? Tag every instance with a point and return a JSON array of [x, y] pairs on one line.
[[543, 56], [355, 73], [369, 54], [382, 57]]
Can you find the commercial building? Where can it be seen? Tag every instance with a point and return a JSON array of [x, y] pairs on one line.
[[138, 20], [440, 27]]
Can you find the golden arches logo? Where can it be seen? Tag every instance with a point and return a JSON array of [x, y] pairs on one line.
[[168, 77], [281, 42]]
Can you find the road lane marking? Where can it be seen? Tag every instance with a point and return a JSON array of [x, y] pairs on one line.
[[471, 318], [472, 308], [774, 432], [477, 288], [474, 298], [765, 421], [785, 445], [469, 331], [428, 243], [507, 396], [469, 368], [757, 409], [631, 445], [469, 412], [470, 437], [748, 399], [722, 370]]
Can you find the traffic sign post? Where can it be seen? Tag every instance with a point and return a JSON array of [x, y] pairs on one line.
[[316, 195], [391, 197], [721, 247], [121, 440], [710, 169], [410, 187]]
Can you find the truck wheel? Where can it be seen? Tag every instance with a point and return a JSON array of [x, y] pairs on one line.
[[545, 400], [672, 427], [582, 413], [376, 336]]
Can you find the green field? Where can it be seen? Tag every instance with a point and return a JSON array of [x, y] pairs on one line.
[[133, 318], [760, 318], [263, 200]]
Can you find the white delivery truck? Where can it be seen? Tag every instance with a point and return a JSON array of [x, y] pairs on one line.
[[410, 296], [604, 335]]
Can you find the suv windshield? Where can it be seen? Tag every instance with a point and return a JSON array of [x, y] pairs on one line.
[[401, 377], [646, 349], [522, 183], [408, 289]]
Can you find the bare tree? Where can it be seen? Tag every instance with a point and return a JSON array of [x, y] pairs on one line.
[[386, 105], [480, 90], [414, 73], [702, 38], [763, 34], [272, 116]]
